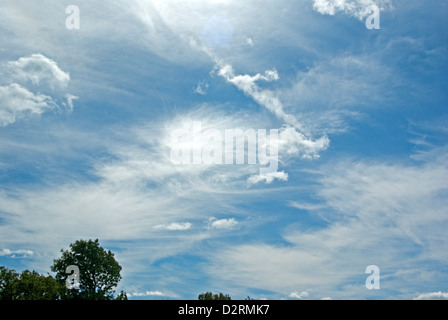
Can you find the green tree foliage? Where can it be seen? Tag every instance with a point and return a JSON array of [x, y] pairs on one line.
[[7, 283], [122, 296], [211, 296], [99, 271], [29, 285]]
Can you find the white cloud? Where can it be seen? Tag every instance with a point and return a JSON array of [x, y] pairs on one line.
[[148, 157], [268, 177], [297, 295], [17, 102], [222, 223], [16, 253], [356, 8], [266, 98], [433, 296], [16, 99], [306, 206], [292, 141], [37, 68], [175, 226], [151, 294]]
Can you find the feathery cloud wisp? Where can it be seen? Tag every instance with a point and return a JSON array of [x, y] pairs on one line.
[[356, 8]]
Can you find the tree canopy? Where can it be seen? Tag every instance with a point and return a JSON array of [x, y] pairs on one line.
[[85, 271], [99, 272], [28, 285], [211, 296]]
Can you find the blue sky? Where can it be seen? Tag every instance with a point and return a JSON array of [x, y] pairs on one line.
[[86, 117]]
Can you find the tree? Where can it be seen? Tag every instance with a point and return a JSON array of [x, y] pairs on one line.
[[34, 286], [122, 296], [7, 283], [29, 285], [211, 296], [99, 272]]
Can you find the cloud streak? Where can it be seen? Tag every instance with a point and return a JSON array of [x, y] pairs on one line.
[[16, 253], [432, 296], [355, 8], [175, 226], [151, 294], [292, 140]]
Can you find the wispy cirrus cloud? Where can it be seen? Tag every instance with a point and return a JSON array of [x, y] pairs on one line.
[[136, 193], [306, 206], [369, 206], [356, 8], [432, 296], [311, 76]]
